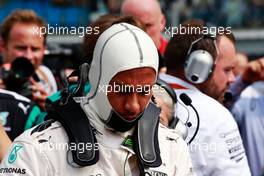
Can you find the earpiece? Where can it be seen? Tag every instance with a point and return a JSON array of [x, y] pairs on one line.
[[175, 122], [198, 66], [199, 63]]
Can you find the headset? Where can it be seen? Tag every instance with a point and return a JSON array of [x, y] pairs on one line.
[[200, 63], [168, 89], [175, 122]]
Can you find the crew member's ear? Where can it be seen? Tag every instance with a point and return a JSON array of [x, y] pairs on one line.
[[162, 22]]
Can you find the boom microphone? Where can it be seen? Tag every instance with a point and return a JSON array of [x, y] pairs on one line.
[[186, 99], [188, 102]]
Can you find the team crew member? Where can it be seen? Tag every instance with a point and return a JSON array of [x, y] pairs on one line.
[[252, 72], [18, 113], [150, 14], [114, 116], [217, 147], [248, 113]]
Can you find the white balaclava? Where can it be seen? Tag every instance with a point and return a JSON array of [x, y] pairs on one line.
[[121, 47]]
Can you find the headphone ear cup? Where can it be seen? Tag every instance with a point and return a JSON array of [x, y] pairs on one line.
[[168, 89], [198, 66]]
